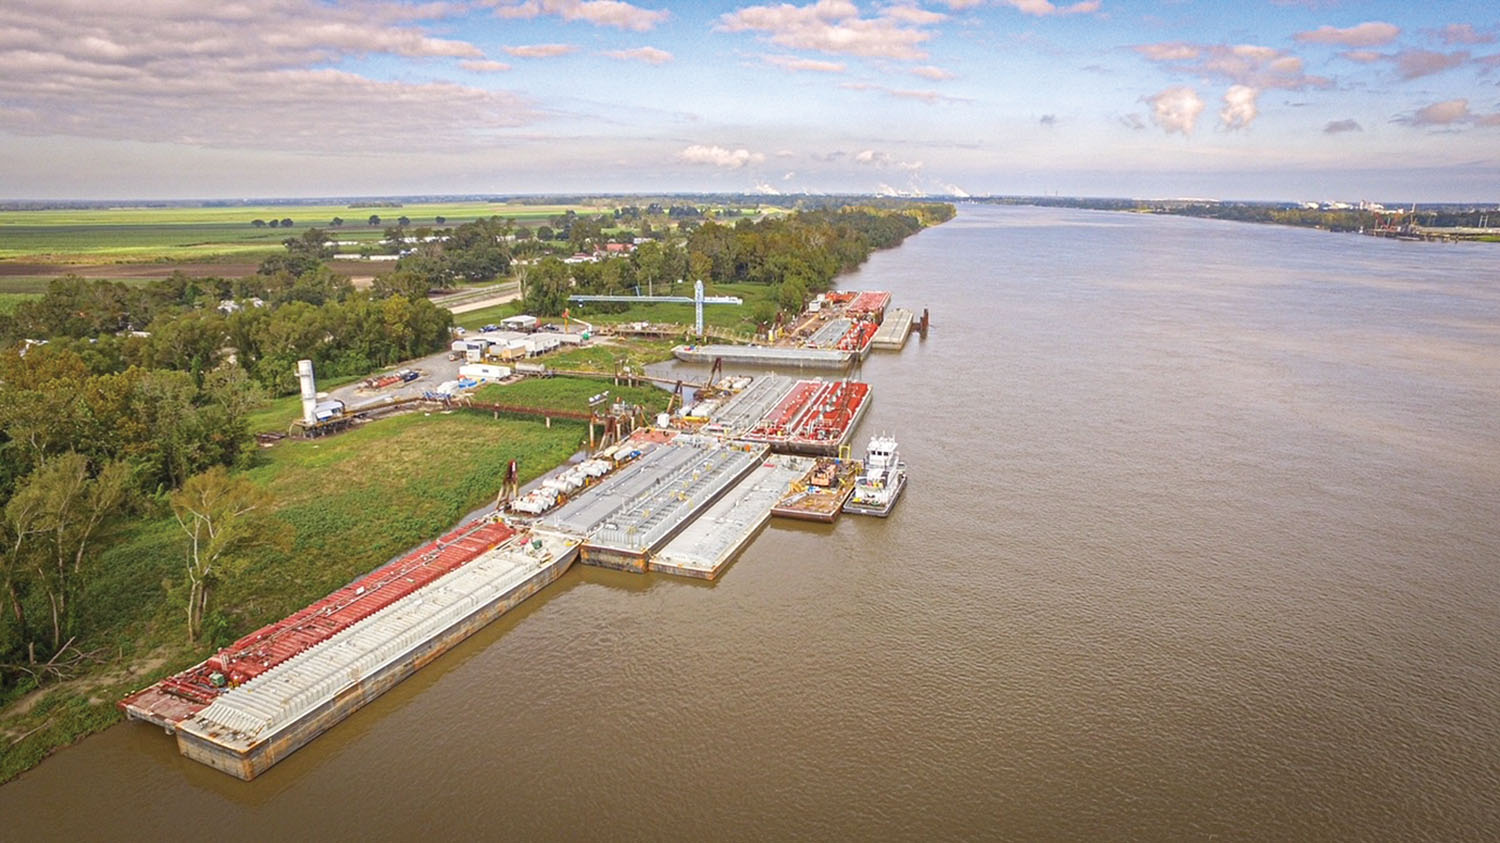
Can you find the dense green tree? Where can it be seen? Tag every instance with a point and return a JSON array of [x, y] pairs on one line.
[[546, 288], [57, 514], [225, 519]]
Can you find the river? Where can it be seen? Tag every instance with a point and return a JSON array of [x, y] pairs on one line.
[[1202, 540]]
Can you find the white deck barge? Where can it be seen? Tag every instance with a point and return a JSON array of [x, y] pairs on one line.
[[712, 541]]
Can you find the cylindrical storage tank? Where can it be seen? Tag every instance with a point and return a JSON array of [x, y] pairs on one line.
[[309, 391]]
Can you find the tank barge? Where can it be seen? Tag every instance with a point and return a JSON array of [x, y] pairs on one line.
[[813, 417], [268, 694], [716, 537]]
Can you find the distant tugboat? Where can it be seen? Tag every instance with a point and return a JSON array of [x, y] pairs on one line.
[[881, 482]]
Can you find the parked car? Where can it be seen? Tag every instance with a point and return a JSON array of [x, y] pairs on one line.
[[488, 328]]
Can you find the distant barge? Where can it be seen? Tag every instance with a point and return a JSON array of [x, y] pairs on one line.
[[260, 699]]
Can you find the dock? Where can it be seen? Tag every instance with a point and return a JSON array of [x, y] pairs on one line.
[[634, 511], [894, 330], [712, 541], [766, 355]]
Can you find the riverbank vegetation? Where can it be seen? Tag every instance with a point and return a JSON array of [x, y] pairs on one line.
[[1445, 221]]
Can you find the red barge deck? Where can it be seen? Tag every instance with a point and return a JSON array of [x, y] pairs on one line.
[[814, 417], [182, 696]]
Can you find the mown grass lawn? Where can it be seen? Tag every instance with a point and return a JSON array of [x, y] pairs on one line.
[[570, 394]]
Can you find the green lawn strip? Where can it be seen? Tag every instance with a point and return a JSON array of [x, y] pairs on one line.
[[602, 357], [475, 319], [739, 318], [569, 394], [350, 502]]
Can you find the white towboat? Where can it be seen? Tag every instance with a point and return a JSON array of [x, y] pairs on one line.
[[881, 482]]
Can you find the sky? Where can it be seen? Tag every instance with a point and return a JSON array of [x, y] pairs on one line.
[[1254, 99]]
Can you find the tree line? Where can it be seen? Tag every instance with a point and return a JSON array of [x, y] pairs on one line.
[[798, 255], [118, 401]]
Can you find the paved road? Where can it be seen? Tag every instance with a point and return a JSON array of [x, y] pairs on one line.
[[511, 292], [434, 369]]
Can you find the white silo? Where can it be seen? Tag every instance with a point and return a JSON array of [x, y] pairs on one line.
[[309, 392]]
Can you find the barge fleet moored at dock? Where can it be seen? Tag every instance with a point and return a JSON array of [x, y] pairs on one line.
[[261, 698], [838, 330]]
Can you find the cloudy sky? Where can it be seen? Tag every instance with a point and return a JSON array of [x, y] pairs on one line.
[[1258, 99]]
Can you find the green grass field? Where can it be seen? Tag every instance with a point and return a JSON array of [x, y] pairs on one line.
[[208, 233], [570, 394], [635, 353], [276, 415], [730, 317]]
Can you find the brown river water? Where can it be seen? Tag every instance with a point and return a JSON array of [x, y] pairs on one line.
[[1202, 541]]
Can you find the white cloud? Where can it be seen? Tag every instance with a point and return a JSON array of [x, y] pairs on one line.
[[1176, 109], [1464, 33], [540, 51], [832, 26], [254, 74], [597, 12], [766, 189], [649, 55], [929, 97], [874, 158], [1243, 64], [936, 74], [1449, 113], [1368, 34], [484, 66], [1411, 64], [1042, 8], [912, 14], [801, 64], [718, 156], [1239, 107]]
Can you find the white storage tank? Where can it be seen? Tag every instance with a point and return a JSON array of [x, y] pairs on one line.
[[483, 372]]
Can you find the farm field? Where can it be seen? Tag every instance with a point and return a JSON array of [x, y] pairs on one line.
[[213, 234]]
